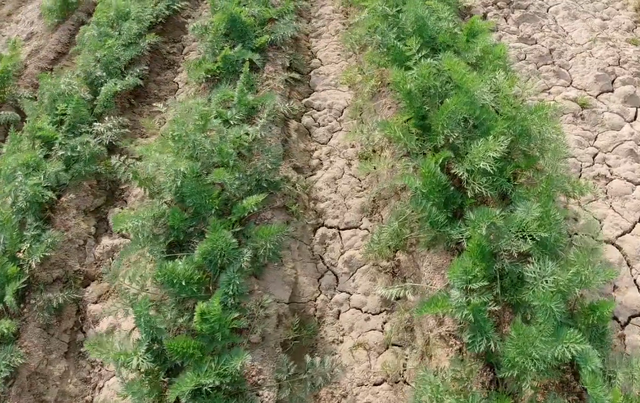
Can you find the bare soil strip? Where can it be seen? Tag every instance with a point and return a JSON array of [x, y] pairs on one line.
[[585, 56], [50, 48], [57, 368], [9, 9], [329, 278]]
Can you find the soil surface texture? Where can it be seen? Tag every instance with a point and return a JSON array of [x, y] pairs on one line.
[[328, 279]]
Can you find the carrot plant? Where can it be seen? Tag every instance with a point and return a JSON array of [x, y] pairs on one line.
[[56, 11], [195, 240], [487, 178], [239, 32], [65, 137], [109, 48], [10, 64]]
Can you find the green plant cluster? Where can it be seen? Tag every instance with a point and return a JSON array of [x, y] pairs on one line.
[[197, 238], [67, 134], [108, 48], [10, 65], [460, 383], [486, 178], [10, 278], [56, 11], [239, 32]]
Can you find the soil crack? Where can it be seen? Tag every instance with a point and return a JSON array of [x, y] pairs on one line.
[[343, 299]]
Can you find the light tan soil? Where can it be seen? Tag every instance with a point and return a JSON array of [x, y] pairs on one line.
[[57, 368], [325, 276], [583, 55]]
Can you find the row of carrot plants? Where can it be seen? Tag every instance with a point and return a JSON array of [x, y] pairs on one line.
[[68, 128], [485, 174], [196, 238]]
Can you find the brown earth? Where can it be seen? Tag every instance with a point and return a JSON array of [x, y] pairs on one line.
[[56, 369], [167, 76]]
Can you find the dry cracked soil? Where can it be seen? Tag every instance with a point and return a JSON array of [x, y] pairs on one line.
[[578, 53], [333, 283], [325, 276]]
